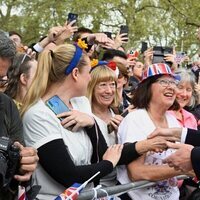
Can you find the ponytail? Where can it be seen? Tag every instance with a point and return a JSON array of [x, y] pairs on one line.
[[40, 83]]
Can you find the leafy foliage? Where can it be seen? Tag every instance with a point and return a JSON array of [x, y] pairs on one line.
[[160, 22]]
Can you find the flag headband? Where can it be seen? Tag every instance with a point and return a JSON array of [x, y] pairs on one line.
[[77, 56], [111, 64]]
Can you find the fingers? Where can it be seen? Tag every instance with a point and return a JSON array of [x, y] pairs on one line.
[[25, 177], [20, 146], [173, 145], [64, 114], [123, 34], [153, 134], [116, 148], [71, 23], [66, 123], [29, 165], [102, 38], [76, 120], [114, 125], [117, 119], [28, 162]]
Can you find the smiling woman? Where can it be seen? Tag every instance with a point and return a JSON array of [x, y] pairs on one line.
[[102, 93], [185, 97], [155, 94]]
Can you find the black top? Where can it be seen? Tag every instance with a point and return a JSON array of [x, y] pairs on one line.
[[193, 138], [10, 126], [57, 164], [10, 121]]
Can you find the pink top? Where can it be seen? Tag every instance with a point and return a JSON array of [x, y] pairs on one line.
[[189, 121]]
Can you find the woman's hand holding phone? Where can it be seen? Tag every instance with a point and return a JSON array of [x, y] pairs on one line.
[[75, 119]]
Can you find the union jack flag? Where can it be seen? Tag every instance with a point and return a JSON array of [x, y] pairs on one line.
[[157, 69], [70, 193], [21, 193]]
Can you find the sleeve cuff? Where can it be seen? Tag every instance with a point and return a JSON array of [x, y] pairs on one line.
[[38, 48], [183, 135], [195, 161]]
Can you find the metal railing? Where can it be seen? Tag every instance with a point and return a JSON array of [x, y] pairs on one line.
[[117, 190]]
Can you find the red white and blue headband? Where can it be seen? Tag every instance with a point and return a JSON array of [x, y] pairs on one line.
[[111, 64]]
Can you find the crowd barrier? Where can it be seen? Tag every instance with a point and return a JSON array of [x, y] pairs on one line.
[[116, 190]]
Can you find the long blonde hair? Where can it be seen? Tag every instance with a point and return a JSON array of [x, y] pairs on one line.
[[51, 69], [99, 74]]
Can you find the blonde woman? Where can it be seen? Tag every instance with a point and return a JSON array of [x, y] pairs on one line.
[[65, 157]]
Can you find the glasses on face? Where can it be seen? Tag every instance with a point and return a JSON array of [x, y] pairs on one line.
[[3, 81], [165, 82], [105, 85]]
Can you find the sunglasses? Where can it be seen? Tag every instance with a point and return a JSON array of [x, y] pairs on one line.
[[3, 82]]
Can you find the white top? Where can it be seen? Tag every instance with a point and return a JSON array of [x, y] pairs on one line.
[[136, 127], [110, 179], [41, 126], [110, 138]]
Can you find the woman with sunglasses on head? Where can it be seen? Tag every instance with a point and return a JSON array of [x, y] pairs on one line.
[[156, 94], [20, 76]]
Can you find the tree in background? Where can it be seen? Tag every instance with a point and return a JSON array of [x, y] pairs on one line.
[[160, 22]]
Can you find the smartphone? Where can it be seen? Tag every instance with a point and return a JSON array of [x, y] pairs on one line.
[[159, 54], [124, 29], [71, 17], [179, 57], [57, 105], [109, 34], [144, 47], [125, 113], [110, 127]]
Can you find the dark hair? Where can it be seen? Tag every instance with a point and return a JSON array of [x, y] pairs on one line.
[[142, 95], [80, 31], [111, 53], [7, 46], [19, 66], [14, 33]]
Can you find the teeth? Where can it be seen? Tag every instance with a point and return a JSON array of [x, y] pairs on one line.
[[169, 94], [107, 98]]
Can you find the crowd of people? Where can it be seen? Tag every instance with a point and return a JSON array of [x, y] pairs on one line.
[[88, 105]]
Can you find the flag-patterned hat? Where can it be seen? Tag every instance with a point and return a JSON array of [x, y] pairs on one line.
[[158, 69]]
